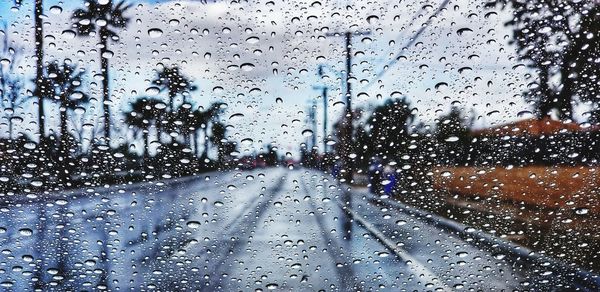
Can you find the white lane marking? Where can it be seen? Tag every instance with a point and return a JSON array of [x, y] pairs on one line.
[[419, 269]]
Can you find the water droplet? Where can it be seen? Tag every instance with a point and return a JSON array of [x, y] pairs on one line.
[[252, 40], [218, 89], [272, 286], [56, 9], [107, 54], [464, 30], [68, 34], [499, 256], [440, 85], [464, 69], [25, 231], [152, 90], [247, 67], [372, 19], [383, 254], [155, 32], [193, 224], [490, 14], [307, 133], [236, 115]]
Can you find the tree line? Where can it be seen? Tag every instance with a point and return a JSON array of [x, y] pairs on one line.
[[56, 157]]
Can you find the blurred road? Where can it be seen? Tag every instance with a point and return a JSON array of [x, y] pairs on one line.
[[255, 230]]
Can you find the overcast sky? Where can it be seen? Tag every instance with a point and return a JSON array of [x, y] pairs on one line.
[[284, 42]]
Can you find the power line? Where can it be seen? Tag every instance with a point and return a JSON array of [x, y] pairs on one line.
[[410, 42]]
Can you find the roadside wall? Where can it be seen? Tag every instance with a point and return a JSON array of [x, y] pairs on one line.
[[553, 187]]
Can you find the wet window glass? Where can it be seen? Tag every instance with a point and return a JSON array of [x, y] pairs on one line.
[[299, 145]]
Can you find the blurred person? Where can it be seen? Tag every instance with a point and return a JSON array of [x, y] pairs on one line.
[[389, 181], [375, 172]]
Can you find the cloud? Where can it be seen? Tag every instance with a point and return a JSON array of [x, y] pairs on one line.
[[285, 42]]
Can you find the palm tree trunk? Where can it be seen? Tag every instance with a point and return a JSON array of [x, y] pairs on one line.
[[158, 133], [146, 142], [172, 101], [10, 128], [186, 137], [39, 63], [105, 79], [205, 150], [220, 154], [63, 149], [171, 115], [63, 128], [195, 137]]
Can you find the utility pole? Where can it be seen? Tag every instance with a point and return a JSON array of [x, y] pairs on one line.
[[345, 144], [323, 89], [346, 139]]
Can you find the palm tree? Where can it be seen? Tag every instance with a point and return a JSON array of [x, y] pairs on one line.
[[60, 85], [103, 19], [174, 83], [201, 119], [145, 111], [38, 10], [184, 119], [218, 138], [10, 84]]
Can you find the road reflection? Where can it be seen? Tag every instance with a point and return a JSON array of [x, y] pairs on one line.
[[90, 239], [267, 229], [230, 233]]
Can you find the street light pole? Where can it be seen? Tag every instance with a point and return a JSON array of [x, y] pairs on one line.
[[313, 121], [324, 119]]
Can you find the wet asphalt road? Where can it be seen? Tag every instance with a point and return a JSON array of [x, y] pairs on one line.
[[291, 230]]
